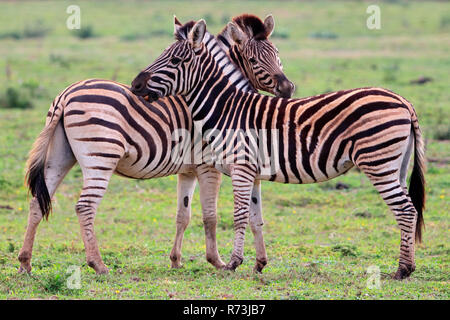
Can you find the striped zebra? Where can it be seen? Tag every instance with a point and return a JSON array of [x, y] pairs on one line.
[[106, 129], [318, 138]]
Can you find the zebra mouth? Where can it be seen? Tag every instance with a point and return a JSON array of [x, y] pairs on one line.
[[148, 95], [151, 96]]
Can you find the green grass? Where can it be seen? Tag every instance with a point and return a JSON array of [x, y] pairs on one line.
[[320, 241]]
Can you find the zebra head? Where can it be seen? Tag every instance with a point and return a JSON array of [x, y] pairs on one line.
[[256, 55], [178, 68]]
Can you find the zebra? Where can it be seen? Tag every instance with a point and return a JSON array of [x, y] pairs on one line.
[[319, 137], [106, 129]]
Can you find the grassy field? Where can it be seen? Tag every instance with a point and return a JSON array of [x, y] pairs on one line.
[[320, 241]]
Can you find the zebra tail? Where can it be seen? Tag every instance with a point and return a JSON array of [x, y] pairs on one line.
[[417, 181], [35, 175]]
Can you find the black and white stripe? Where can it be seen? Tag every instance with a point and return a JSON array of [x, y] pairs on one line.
[[319, 137]]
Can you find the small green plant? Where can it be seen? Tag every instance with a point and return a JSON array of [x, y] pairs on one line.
[[14, 98], [363, 214], [16, 35], [323, 35], [11, 247], [36, 29], [54, 283], [441, 132], [346, 250], [85, 32]]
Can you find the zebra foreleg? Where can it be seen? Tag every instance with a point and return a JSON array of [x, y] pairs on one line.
[[186, 187], [256, 224], [242, 178], [209, 180]]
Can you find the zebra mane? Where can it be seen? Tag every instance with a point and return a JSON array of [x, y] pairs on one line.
[[252, 26], [219, 51], [220, 54]]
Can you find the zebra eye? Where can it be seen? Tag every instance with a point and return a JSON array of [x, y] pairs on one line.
[[252, 60], [175, 60]]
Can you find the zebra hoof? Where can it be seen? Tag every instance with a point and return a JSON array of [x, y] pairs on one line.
[[25, 262], [230, 267], [99, 267], [220, 266], [176, 265], [403, 272], [24, 269], [259, 265], [258, 268], [102, 270], [234, 263]]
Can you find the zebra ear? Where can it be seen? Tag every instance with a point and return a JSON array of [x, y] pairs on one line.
[[176, 25], [197, 33], [269, 24], [235, 33]]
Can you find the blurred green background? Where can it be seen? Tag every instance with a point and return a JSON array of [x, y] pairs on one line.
[[320, 240]]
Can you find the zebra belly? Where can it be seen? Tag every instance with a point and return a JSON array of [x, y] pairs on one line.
[[166, 168]]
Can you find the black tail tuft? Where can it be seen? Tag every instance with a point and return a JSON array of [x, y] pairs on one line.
[[38, 188], [417, 187]]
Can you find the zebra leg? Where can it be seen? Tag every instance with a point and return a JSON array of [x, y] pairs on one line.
[[98, 160], [186, 187], [398, 200], [242, 177], [60, 160], [256, 223], [389, 178], [95, 182], [209, 180]]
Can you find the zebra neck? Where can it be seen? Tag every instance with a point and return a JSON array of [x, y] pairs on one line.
[[233, 53], [220, 74]]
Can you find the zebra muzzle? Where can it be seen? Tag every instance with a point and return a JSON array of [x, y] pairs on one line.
[[139, 84], [285, 88]]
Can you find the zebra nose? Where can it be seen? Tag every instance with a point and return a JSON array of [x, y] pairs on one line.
[[285, 87], [138, 84]]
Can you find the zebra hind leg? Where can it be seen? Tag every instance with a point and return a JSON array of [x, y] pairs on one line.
[[399, 202], [60, 160], [186, 187], [95, 182]]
